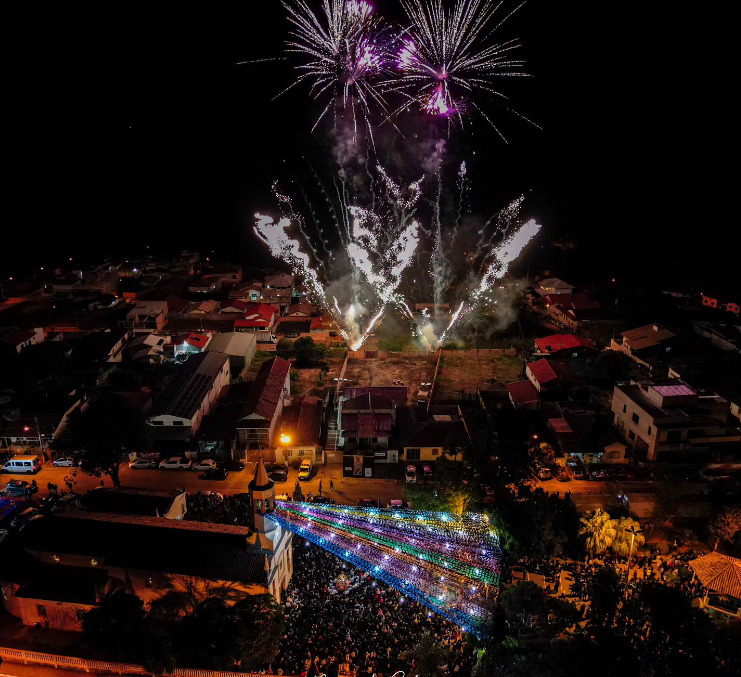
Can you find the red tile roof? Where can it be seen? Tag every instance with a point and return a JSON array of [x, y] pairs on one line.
[[302, 420], [198, 340], [267, 389], [542, 371], [558, 342], [256, 315], [367, 402], [522, 392], [719, 573], [367, 425], [237, 304], [397, 394]]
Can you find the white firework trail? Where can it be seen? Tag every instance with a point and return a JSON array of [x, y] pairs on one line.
[[499, 263]]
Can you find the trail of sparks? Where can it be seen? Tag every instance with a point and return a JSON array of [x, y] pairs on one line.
[[448, 562]]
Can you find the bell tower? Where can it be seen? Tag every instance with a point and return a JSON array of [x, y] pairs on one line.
[[262, 498]]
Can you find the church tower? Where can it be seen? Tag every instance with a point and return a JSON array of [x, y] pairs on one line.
[[269, 538], [262, 498]]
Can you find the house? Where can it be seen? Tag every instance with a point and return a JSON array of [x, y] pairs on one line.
[[643, 343], [270, 390], [720, 575], [203, 308], [234, 306], [545, 375], [100, 347], [226, 273], [204, 285], [291, 328], [299, 431], [189, 396], [721, 336], [571, 310], [193, 342], [564, 345], [257, 317], [239, 347], [84, 283], [715, 302], [523, 395], [669, 420], [281, 281], [428, 434], [551, 286], [366, 421], [298, 310], [397, 394], [251, 291], [147, 316], [169, 504], [18, 339], [177, 305], [68, 560], [147, 347]]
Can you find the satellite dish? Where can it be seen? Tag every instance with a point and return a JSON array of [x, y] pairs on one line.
[[11, 414]]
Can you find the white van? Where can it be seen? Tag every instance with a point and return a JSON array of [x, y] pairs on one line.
[[304, 472], [22, 464]]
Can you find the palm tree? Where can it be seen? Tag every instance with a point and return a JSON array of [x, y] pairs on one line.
[[628, 537], [597, 530]]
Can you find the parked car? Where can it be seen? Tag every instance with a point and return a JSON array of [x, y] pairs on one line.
[[22, 464], [30, 520], [278, 472], [22, 516], [66, 462], [304, 472], [369, 503], [322, 500], [205, 464], [544, 473], [175, 463], [233, 466], [410, 474], [217, 474], [427, 472], [19, 488], [143, 464]]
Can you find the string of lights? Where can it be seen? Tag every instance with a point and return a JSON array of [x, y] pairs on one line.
[[449, 563]]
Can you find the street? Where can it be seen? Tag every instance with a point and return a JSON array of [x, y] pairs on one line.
[[346, 490]]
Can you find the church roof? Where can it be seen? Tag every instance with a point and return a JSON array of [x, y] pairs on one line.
[[260, 481]]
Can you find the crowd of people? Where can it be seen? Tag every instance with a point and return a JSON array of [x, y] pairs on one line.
[[209, 506], [341, 620]]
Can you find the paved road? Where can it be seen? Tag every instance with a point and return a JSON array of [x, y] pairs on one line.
[[347, 490]]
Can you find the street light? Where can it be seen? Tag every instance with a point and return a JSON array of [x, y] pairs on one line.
[[285, 438], [633, 533]]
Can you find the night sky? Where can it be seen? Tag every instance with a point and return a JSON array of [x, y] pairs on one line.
[[131, 125]]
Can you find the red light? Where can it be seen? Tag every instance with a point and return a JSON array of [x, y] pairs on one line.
[[26, 428]]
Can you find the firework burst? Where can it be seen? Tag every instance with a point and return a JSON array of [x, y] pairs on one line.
[[447, 58], [344, 53]]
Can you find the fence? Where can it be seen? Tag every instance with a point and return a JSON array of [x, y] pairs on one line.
[[420, 354], [85, 665]]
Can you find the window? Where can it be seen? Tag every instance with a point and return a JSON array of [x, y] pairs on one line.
[[177, 423], [635, 418], [81, 614], [649, 430], [625, 408], [435, 452], [412, 454], [158, 423], [631, 435], [41, 610]]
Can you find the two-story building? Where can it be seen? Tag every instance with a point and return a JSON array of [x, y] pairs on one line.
[[669, 420]]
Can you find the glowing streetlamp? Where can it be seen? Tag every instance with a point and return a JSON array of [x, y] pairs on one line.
[[285, 438]]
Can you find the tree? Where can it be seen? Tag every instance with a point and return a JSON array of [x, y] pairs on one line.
[[104, 432], [264, 623], [626, 535], [605, 592], [523, 605], [307, 352], [428, 656], [298, 494], [115, 623], [726, 525], [125, 381], [284, 348], [597, 530]]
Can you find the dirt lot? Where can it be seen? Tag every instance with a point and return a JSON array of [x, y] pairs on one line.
[[458, 372], [412, 371], [305, 379]]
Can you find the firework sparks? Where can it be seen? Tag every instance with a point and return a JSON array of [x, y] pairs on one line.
[[446, 57], [344, 53]]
